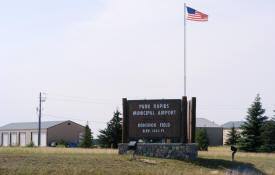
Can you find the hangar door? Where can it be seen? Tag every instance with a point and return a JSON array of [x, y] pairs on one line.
[[35, 138], [22, 139], [13, 139], [43, 139], [5, 139]]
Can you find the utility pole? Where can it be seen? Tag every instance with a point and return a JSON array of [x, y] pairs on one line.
[[39, 120], [39, 117]]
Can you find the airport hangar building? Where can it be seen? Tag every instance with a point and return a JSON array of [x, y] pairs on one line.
[[22, 134]]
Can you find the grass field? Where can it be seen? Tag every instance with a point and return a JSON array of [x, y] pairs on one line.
[[217, 160]]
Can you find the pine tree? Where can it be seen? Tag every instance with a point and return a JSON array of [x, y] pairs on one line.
[[112, 135], [251, 129], [268, 136], [87, 140], [233, 137], [202, 140]]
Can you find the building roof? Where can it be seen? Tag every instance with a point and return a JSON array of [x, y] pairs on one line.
[[202, 122], [29, 125], [230, 124]]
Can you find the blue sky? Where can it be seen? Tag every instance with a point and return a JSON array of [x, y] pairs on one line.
[[87, 55]]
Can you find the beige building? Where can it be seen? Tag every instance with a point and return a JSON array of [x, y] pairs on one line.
[[21, 134]]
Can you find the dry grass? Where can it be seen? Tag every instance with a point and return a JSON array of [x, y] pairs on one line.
[[265, 162], [224, 151], [54, 150], [217, 160]]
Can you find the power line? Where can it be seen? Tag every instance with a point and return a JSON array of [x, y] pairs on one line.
[[70, 118], [90, 99], [76, 100], [80, 98]]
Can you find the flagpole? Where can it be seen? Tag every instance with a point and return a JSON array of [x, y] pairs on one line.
[[184, 49]]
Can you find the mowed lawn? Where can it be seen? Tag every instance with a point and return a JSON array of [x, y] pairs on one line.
[[15, 160]]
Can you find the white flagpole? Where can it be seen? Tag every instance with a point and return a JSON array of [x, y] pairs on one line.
[[184, 49]]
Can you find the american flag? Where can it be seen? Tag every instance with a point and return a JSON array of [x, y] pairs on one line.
[[195, 15]]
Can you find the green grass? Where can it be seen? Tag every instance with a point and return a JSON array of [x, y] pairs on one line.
[[217, 160]]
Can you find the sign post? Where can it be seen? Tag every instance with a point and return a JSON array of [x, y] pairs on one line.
[[192, 115], [184, 105], [124, 121]]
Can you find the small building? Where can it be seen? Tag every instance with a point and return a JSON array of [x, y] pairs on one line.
[[227, 127], [22, 134], [213, 130]]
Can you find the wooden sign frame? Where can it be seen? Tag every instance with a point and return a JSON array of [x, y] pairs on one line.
[[184, 135]]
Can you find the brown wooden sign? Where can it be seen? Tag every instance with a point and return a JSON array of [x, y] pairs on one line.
[[165, 118], [154, 118]]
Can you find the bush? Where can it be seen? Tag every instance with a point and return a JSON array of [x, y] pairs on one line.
[[31, 144], [61, 143], [202, 140], [61, 146]]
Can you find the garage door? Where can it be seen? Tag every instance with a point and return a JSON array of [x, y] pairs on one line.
[[35, 138], [43, 139], [22, 139], [5, 138], [13, 139]]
